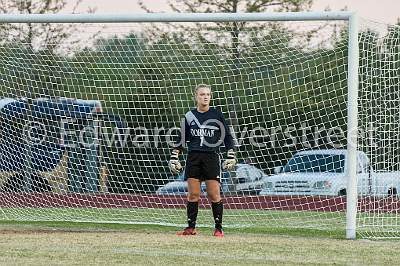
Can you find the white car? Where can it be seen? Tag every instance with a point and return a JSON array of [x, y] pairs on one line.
[[247, 179], [179, 186], [323, 172]]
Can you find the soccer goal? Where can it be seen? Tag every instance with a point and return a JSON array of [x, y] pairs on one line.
[[87, 124]]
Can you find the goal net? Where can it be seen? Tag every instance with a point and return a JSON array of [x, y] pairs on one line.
[[379, 129], [87, 125]]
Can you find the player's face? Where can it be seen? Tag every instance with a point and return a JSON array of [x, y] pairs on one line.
[[203, 97]]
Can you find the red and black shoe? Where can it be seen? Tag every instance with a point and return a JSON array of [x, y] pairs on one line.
[[218, 233], [188, 231]]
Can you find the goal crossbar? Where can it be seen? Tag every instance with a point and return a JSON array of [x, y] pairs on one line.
[[173, 17]]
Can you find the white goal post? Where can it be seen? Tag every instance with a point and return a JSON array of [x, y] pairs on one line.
[[352, 93]]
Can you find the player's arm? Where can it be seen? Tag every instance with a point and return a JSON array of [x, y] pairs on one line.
[[174, 163], [230, 161]]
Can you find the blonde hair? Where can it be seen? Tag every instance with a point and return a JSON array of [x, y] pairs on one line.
[[200, 86]]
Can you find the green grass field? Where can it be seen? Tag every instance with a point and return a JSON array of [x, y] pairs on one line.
[[326, 223], [277, 238]]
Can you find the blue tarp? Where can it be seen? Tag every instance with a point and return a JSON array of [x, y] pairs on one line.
[[45, 156], [42, 108]]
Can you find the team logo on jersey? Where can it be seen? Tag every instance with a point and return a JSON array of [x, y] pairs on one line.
[[202, 132]]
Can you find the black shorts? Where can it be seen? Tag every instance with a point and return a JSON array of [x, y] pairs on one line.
[[203, 166]]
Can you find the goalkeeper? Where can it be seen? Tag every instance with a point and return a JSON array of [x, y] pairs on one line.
[[204, 130]]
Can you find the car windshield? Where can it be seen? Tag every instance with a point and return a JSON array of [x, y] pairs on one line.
[[315, 163]]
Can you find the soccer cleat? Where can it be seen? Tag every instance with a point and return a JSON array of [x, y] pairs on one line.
[[218, 233], [188, 231]]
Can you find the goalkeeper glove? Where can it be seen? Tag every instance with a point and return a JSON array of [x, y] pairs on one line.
[[174, 164], [230, 162]]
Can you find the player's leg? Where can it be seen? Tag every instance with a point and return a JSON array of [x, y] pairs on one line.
[[194, 190], [214, 195], [192, 206], [212, 172], [192, 172]]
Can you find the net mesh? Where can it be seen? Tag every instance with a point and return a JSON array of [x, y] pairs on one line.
[[379, 139], [87, 128]]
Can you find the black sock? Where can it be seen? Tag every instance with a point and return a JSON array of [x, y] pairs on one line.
[[192, 209], [217, 209]]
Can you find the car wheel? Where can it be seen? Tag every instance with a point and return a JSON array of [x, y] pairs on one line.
[[342, 192], [392, 192]]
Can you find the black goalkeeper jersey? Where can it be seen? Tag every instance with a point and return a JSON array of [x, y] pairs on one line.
[[204, 132]]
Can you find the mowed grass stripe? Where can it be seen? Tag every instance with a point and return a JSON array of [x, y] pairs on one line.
[[150, 246], [303, 223], [242, 220]]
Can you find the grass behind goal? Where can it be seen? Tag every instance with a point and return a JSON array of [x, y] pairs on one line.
[[304, 223], [262, 221]]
